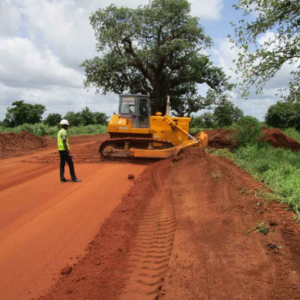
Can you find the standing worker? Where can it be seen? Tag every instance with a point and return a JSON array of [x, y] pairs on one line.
[[65, 154]]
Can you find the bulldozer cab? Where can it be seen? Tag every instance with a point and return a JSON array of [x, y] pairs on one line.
[[137, 108]]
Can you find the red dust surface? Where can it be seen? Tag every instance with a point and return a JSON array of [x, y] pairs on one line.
[[180, 233], [46, 225], [278, 139], [212, 256], [220, 138], [24, 143], [102, 273], [19, 143], [223, 138]]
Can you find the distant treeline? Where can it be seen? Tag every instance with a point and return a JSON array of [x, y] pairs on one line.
[[20, 113], [281, 115]]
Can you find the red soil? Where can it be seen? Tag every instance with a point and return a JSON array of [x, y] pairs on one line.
[[212, 257], [102, 273], [278, 139], [16, 144], [46, 226], [179, 233], [144, 252], [20, 143], [220, 138], [223, 138]]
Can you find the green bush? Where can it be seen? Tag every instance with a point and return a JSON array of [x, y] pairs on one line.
[[247, 131], [284, 115], [293, 133], [195, 130], [247, 120]]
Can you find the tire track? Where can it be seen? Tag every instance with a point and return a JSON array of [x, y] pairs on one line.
[[149, 258]]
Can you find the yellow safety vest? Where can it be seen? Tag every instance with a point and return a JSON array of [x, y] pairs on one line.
[[60, 140]]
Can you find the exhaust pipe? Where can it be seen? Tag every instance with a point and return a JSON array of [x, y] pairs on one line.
[[168, 110]]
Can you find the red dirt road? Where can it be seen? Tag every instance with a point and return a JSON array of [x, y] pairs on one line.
[[45, 225], [178, 233]]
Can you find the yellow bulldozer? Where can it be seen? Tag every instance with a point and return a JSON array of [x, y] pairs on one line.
[[135, 135]]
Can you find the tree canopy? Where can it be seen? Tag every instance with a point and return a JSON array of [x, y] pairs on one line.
[[227, 113], [224, 115], [20, 113], [86, 117], [154, 49], [284, 115], [257, 66], [53, 119]]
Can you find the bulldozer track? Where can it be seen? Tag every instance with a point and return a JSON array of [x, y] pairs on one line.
[[149, 258], [131, 139]]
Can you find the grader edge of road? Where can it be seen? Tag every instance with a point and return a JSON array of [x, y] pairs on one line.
[[137, 136]]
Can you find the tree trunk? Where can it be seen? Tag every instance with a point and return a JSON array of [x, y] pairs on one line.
[[158, 98], [157, 108]]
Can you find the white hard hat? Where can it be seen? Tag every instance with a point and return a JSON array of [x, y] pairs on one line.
[[64, 122]]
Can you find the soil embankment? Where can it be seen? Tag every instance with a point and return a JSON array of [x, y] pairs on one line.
[[220, 138], [24, 143], [213, 257], [224, 138], [278, 139], [185, 237], [12, 144]]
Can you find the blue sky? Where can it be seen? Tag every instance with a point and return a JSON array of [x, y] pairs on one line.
[[43, 42], [221, 28]]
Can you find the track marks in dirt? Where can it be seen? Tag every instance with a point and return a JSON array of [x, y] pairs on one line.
[[149, 258]]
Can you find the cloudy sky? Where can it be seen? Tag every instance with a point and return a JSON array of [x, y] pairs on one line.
[[43, 43]]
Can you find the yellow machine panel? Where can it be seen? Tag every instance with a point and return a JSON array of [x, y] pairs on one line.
[[162, 130], [118, 124], [136, 135]]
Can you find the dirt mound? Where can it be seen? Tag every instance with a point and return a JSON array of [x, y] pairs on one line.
[[220, 138], [216, 205], [17, 143], [278, 139], [223, 138]]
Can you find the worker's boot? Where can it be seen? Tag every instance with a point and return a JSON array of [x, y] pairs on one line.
[[76, 180]]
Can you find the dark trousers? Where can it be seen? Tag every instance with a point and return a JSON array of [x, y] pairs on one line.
[[64, 157]]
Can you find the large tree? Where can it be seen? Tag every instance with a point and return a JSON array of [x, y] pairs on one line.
[[284, 115], [53, 119], [20, 113], [154, 49], [227, 113], [257, 62]]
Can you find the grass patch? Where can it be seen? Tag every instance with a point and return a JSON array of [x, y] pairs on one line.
[[217, 174], [297, 218], [260, 227], [243, 190], [293, 133], [277, 168], [195, 130], [45, 130]]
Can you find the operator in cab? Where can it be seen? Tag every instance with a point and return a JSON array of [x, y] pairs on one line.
[[65, 154]]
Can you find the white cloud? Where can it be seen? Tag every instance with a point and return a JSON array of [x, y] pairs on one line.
[[256, 105], [58, 99], [42, 44], [24, 64], [207, 10], [10, 18]]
